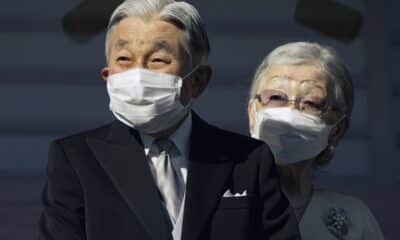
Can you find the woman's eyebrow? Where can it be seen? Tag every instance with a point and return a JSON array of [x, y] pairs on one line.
[[313, 82], [277, 79]]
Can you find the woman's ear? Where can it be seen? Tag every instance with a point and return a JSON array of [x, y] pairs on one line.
[[251, 110], [200, 80], [338, 131], [105, 72]]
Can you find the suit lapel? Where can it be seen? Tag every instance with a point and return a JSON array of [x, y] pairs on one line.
[[122, 157], [208, 176]]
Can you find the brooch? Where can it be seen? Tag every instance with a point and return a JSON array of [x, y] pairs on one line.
[[337, 222]]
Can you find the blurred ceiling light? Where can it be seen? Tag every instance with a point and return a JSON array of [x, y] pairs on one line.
[[330, 18], [88, 19], [336, 20]]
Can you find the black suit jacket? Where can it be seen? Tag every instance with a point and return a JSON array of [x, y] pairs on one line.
[[99, 186]]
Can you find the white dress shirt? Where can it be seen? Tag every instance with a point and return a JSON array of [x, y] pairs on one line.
[[180, 138]]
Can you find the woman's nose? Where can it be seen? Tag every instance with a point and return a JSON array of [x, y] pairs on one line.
[[293, 104]]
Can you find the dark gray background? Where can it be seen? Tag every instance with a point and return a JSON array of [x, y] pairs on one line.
[[51, 87]]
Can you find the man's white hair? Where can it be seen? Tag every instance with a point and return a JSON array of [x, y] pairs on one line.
[[340, 86], [182, 14]]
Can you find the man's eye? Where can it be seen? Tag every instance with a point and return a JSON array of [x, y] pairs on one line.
[[124, 59], [159, 60]]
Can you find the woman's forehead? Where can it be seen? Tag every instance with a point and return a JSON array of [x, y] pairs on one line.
[[278, 75]]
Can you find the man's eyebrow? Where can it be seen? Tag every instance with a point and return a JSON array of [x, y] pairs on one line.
[[155, 46], [121, 43], [161, 45]]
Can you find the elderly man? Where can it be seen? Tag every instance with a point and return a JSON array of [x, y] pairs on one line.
[[159, 171]]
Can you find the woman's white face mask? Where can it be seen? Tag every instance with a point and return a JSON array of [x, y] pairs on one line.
[[292, 135], [145, 100]]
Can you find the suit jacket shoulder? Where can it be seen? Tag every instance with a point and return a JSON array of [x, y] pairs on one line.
[[233, 145], [98, 132]]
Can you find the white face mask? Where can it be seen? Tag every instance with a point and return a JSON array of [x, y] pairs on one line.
[[292, 135], [145, 100]]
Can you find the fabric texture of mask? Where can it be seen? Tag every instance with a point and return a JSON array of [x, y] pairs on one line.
[[145, 100], [292, 135]]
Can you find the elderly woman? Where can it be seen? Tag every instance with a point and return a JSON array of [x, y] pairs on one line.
[[300, 103]]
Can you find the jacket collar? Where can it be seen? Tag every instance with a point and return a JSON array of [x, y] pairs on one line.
[[122, 156]]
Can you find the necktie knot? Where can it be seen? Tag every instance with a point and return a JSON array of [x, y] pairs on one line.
[[164, 145]]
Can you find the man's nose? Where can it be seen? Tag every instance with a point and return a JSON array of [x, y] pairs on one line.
[[138, 63]]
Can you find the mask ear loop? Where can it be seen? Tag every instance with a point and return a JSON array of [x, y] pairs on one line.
[[337, 121], [329, 150], [341, 118], [191, 72], [189, 104]]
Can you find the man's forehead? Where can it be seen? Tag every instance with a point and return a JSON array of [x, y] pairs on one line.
[[155, 33]]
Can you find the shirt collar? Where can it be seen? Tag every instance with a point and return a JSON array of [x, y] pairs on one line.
[[180, 137]]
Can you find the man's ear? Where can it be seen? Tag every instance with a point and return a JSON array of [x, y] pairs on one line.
[[338, 131], [200, 80], [105, 72]]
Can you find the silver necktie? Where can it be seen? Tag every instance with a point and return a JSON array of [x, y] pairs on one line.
[[167, 177]]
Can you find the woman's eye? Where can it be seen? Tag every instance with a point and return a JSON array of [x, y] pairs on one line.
[[312, 104], [277, 98]]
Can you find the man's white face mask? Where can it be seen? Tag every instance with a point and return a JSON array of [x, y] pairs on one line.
[[145, 100], [292, 135]]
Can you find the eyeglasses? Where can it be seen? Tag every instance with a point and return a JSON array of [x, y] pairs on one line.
[[305, 103]]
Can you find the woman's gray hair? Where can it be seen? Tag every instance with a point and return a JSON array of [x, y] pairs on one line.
[[181, 14], [340, 85]]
